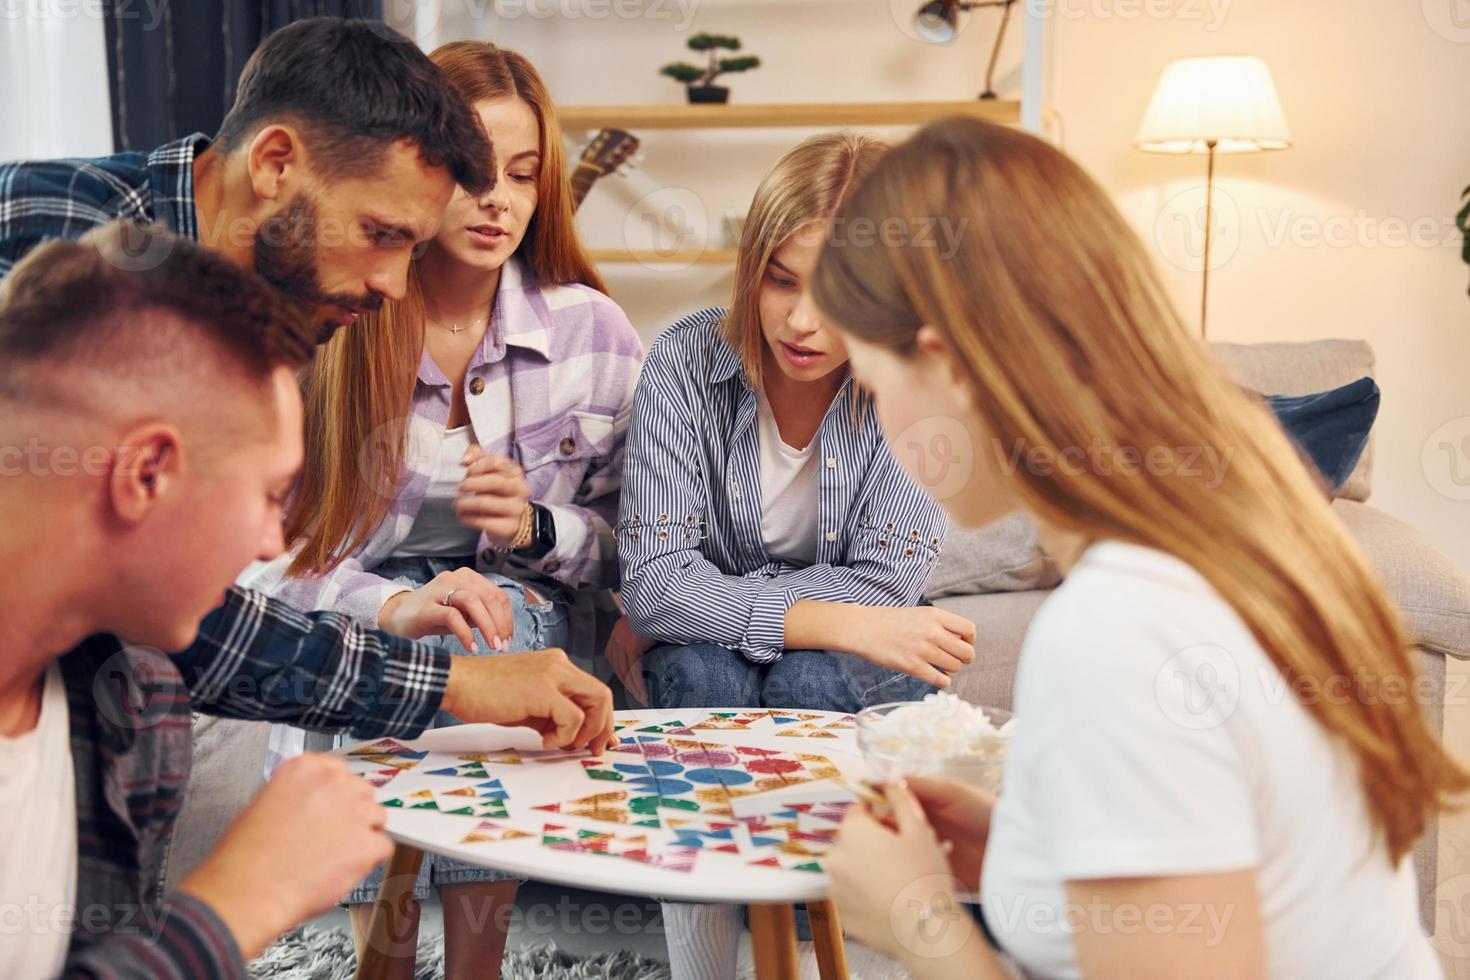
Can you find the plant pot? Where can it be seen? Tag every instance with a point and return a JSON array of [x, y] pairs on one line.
[[708, 93]]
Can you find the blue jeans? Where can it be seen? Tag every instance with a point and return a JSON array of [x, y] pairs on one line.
[[537, 626], [707, 675]]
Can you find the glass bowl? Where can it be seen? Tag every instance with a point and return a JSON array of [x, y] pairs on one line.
[[978, 761]]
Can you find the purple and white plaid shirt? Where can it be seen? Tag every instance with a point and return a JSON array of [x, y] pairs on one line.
[[551, 386]]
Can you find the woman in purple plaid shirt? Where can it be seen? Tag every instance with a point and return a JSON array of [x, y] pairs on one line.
[[464, 446]]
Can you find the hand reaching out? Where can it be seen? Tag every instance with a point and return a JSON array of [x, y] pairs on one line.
[[306, 840], [541, 690]]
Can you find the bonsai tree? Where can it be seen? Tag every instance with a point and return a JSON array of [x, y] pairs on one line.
[[695, 77]]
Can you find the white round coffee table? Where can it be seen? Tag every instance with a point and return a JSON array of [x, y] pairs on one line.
[[723, 805]]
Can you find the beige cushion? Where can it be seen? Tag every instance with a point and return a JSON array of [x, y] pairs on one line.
[[1304, 369], [1002, 557], [1430, 590]]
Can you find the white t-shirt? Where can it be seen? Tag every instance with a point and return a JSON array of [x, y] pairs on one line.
[[437, 529], [38, 876], [790, 492], [1153, 738]]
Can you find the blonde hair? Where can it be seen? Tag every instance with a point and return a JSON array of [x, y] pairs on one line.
[[807, 184], [360, 392], [1067, 339]]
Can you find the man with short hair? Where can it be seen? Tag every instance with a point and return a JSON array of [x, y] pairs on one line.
[[341, 151], [163, 419]]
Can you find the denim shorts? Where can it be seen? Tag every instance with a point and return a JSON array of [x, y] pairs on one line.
[[537, 626]]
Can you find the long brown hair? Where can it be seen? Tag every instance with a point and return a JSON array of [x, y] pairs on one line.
[[806, 184], [1066, 337], [360, 391]]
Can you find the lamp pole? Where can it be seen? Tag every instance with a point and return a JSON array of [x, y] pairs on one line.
[[1204, 294]]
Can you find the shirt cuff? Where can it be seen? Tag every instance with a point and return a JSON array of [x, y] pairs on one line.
[[366, 604], [571, 537], [765, 634], [415, 678]]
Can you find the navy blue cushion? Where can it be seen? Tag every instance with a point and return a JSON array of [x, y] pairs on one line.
[[1331, 427]]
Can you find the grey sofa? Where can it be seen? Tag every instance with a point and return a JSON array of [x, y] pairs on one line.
[[999, 575]]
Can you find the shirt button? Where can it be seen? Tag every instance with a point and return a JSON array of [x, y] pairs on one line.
[[488, 556], [552, 566], [831, 535], [477, 385], [568, 446], [831, 462]]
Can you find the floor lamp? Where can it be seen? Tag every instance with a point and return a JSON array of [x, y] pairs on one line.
[[1213, 105]]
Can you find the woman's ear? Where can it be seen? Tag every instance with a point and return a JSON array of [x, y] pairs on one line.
[[935, 347]]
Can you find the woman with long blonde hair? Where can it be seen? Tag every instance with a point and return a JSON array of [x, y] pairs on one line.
[[464, 445], [773, 550], [1218, 769]]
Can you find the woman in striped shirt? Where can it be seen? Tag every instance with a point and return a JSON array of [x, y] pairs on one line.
[[464, 444], [772, 546]]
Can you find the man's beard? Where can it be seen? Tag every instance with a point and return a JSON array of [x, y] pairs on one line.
[[286, 257]]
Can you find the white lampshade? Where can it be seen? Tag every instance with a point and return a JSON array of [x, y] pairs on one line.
[[1229, 100]]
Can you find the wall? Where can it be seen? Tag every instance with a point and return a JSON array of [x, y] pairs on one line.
[[1347, 234]]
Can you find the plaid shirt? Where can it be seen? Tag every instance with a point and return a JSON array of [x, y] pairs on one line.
[[131, 739], [45, 199], [255, 658], [564, 360], [63, 199]]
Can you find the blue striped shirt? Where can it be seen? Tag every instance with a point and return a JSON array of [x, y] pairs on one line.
[[695, 567]]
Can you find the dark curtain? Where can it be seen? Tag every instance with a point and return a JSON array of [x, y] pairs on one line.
[[173, 64]]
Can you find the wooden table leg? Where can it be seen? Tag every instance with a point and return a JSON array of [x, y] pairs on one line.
[[827, 936], [773, 941], [389, 912]]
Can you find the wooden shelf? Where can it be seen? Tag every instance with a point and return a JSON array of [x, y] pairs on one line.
[[637, 256], [808, 114]]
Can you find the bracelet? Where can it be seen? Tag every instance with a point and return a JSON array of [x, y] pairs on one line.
[[526, 530]]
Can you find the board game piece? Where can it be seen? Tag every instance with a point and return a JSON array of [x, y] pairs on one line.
[[387, 746], [490, 832], [729, 721], [485, 799], [612, 807], [629, 847]]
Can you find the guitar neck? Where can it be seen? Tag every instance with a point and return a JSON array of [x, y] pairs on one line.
[[582, 179]]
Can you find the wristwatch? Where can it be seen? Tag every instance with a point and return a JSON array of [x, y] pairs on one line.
[[543, 534]]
